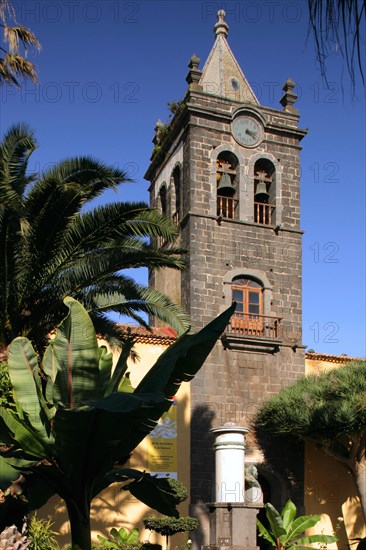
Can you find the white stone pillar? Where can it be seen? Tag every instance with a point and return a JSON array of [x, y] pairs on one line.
[[229, 462]]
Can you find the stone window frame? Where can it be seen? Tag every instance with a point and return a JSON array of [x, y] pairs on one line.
[[250, 184], [254, 274]]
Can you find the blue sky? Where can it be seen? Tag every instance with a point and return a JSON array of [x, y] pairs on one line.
[[108, 68]]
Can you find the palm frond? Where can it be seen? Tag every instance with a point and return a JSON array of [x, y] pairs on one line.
[[108, 224], [17, 40], [129, 298], [338, 27], [15, 149], [20, 35]]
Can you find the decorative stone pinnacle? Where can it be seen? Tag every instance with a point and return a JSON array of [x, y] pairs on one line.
[[289, 85], [221, 26], [194, 62], [289, 97], [194, 76]]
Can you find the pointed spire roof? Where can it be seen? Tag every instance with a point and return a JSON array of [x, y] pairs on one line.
[[222, 75]]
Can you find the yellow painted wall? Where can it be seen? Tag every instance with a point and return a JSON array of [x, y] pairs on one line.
[[329, 487], [113, 508]]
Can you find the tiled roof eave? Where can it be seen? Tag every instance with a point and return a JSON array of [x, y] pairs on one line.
[[332, 358]]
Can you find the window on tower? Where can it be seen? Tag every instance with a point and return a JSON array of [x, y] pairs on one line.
[[163, 199], [264, 192], [227, 176], [248, 316], [176, 176]]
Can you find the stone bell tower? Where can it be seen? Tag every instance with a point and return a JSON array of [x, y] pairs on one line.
[[227, 170]]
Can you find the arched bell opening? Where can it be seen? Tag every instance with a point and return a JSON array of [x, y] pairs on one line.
[[227, 170], [264, 192]]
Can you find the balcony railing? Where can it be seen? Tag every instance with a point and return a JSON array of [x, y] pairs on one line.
[[261, 326], [263, 213], [226, 207]]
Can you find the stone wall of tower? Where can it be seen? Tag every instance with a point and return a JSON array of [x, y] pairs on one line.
[[167, 281], [232, 383]]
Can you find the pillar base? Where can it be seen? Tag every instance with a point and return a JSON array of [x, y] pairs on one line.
[[232, 526]]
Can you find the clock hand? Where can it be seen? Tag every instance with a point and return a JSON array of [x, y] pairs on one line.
[[252, 134]]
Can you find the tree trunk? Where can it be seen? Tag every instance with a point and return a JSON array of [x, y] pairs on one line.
[[359, 475], [80, 526]]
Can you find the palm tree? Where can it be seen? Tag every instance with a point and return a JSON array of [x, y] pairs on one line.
[[52, 247], [13, 62]]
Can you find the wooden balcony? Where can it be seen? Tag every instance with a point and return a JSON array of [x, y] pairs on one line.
[[257, 326], [264, 213], [226, 207], [252, 332]]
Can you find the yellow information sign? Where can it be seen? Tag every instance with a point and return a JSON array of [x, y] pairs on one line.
[[162, 445]]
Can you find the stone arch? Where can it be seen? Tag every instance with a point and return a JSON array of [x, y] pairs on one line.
[[276, 191], [163, 198], [254, 274], [215, 153], [176, 191]]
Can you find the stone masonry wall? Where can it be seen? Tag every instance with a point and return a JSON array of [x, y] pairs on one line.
[[233, 383]]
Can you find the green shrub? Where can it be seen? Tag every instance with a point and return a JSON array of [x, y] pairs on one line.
[[41, 535], [170, 526], [122, 540], [6, 392], [178, 489]]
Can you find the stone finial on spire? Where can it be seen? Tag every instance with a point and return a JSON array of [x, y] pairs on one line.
[[194, 74], [289, 97], [194, 62], [221, 26]]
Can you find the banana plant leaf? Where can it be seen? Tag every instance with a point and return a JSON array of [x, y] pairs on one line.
[[302, 523], [275, 521], [33, 446], [179, 363], [23, 372], [7, 474], [316, 538], [288, 514], [153, 491], [72, 358], [284, 531], [120, 369], [183, 359], [264, 533], [31, 404], [105, 367], [86, 439], [88, 419]]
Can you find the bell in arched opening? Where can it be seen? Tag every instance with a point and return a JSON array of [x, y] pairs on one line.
[[261, 193], [225, 188]]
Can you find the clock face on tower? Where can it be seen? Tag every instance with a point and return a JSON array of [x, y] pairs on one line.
[[248, 131]]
